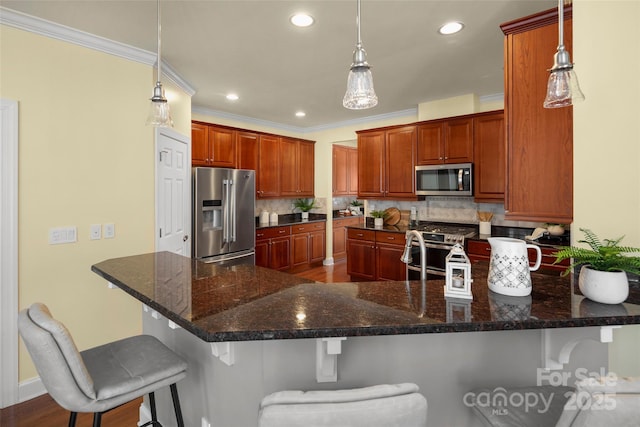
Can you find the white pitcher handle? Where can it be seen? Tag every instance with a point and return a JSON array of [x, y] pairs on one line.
[[538, 257]]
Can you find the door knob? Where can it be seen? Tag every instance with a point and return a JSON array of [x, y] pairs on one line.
[[185, 238]]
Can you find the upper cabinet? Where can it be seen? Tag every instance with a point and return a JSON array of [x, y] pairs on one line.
[[386, 163], [445, 141], [489, 157], [345, 171], [539, 175], [213, 146], [296, 168], [284, 166]]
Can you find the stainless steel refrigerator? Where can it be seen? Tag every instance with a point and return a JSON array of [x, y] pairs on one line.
[[224, 224]]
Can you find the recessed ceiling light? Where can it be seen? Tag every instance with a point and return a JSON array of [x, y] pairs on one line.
[[451, 28], [300, 114], [232, 97], [301, 20]]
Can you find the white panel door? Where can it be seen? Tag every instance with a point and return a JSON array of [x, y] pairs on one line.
[[173, 192]]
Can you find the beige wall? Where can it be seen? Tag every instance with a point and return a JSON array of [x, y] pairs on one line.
[[85, 157], [607, 137]]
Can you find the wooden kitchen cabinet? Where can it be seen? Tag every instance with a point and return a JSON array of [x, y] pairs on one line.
[[479, 250], [212, 146], [489, 157], [445, 141], [307, 245], [296, 168], [361, 254], [539, 172], [386, 163], [273, 247], [268, 177], [340, 234], [247, 148], [389, 249], [345, 171]]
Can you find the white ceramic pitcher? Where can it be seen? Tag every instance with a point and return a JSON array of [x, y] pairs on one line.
[[509, 266]]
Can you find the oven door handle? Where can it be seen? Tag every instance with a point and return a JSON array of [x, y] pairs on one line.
[[437, 246]]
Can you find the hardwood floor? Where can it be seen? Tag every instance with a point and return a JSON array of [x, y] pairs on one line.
[[43, 411]]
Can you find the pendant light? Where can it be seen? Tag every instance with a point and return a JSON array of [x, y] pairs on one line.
[[360, 93], [159, 114], [563, 89]]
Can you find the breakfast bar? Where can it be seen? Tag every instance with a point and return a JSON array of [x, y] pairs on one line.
[[248, 331]]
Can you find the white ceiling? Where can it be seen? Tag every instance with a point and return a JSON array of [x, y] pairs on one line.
[[249, 47]]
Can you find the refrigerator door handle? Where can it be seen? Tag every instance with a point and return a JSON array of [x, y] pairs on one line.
[[225, 211], [232, 214]]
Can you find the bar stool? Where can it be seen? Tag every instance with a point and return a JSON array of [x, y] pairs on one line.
[[101, 378], [387, 405]]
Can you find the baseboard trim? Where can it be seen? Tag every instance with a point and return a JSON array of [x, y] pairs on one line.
[[30, 389], [328, 261]]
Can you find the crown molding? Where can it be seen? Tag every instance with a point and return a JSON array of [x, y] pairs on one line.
[[45, 28], [304, 130]]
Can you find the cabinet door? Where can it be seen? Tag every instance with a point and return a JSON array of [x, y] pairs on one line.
[[279, 253], [458, 141], [371, 164], [539, 179], [489, 158], [299, 249], [288, 167], [199, 144], [478, 250], [340, 169], [268, 183], [361, 259], [262, 253], [247, 147], [305, 166], [352, 175], [222, 147], [400, 156], [430, 144], [339, 240], [388, 264], [316, 246]]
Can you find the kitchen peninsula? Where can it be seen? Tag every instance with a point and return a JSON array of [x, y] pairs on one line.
[[273, 331]]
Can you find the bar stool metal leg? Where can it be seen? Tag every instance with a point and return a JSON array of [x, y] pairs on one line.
[[97, 419], [72, 419], [176, 405]]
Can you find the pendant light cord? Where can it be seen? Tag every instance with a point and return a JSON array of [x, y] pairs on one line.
[[359, 42], [159, 44], [560, 24]]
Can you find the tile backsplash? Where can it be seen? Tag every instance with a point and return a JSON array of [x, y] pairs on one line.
[[285, 206]]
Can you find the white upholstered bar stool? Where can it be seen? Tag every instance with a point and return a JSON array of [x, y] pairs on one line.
[[101, 378], [387, 405]]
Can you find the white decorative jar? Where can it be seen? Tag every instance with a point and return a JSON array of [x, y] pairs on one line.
[[305, 216], [607, 287], [378, 222]]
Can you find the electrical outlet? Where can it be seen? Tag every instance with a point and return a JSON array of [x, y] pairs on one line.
[[96, 232], [109, 231]]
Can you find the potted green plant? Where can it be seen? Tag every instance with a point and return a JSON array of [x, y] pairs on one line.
[[378, 218], [605, 264], [305, 205], [355, 207]]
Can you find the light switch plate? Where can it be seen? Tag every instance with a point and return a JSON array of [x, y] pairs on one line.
[[109, 231], [60, 235]]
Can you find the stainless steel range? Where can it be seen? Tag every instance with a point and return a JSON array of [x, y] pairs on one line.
[[438, 241]]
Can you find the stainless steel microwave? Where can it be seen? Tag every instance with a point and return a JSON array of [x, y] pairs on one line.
[[445, 180]]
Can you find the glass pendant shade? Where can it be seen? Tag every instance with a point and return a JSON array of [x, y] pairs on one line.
[[159, 112], [360, 93], [563, 89]]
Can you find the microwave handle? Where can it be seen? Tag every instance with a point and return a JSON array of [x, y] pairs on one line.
[[460, 185]]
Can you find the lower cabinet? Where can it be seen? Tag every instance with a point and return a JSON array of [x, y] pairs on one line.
[[478, 250], [375, 255], [307, 245], [291, 248], [340, 235], [273, 247]]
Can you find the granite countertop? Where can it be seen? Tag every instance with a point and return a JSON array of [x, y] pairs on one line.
[[246, 303]]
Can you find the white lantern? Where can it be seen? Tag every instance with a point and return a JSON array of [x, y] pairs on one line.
[[458, 274]]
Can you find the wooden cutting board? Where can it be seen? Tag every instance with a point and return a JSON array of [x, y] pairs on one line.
[[392, 216]]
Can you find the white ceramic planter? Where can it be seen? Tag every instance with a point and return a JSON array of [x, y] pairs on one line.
[[378, 222], [305, 216], [608, 287]]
